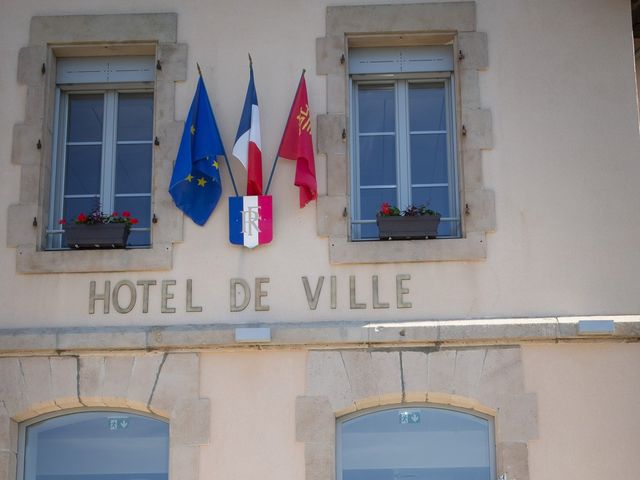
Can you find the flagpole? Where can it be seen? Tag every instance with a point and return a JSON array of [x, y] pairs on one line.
[[226, 160], [275, 161]]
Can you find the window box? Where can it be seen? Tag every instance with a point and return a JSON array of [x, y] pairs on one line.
[[403, 227], [102, 235]]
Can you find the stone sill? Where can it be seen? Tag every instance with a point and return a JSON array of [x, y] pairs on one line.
[[316, 335], [30, 260], [470, 248]]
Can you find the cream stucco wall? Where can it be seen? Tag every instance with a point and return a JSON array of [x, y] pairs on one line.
[[565, 153], [587, 398]]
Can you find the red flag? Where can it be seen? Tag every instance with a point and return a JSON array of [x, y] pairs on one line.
[[297, 145]]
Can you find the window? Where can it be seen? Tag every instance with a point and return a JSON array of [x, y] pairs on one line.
[[95, 445], [417, 443], [103, 142], [403, 144]]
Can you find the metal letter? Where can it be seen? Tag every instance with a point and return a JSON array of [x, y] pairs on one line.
[[145, 293], [401, 291], [376, 296], [250, 218], [312, 300], [132, 296], [104, 297], [233, 304], [190, 307], [352, 294], [165, 296], [261, 293], [334, 293]]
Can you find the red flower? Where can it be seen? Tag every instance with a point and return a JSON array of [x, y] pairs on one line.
[[385, 209], [114, 214], [62, 221], [81, 218], [126, 214], [133, 221]]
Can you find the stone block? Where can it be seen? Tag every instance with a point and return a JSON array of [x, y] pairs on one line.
[[362, 379], [326, 375], [331, 128], [479, 129], [165, 104], [337, 94], [11, 386], [386, 371], [475, 49], [8, 432], [36, 372], [91, 378], [117, 374], [518, 418], [20, 229], [179, 377], [24, 149], [469, 89], [482, 210], [8, 462], [160, 27], [468, 370], [107, 339], [329, 51], [451, 16], [414, 372], [30, 184], [21, 340], [64, 381], [184, 462], [472, 168], [143, 376], [190, 421], [173, 60], [35, 106], [337, 174], [319, 460], [440, 371], [30, 61], [512, 460], [502, 374], [315, 421], [330, 215]]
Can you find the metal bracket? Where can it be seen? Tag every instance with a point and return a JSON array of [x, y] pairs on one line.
[[39, 145], [464, 130], [156, 141], [158, 65], [35, 222], [460, 55], [342, 59]]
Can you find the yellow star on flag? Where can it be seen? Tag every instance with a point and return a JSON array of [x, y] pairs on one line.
[[201, 182], [193, 129], [216, 165], [189, 178]]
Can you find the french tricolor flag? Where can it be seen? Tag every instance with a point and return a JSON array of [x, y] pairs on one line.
[[250, 220], [247, 148]]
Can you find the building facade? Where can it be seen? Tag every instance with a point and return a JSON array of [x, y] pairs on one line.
[[503, 348]]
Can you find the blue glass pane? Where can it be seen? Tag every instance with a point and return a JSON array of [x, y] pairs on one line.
[[416, 443], [429, 158], [82, 172], [377, 160], [97, 446], [427, 107], [435, 198], [139, 238], [138, 207], [85, 118], [376, 108], [133, 169], [135, 116], [370, 202], [75, 206]]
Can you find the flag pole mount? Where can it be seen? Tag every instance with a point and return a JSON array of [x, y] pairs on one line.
[[199, 71]]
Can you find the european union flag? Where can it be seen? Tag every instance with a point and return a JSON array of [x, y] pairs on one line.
[[195, 183]]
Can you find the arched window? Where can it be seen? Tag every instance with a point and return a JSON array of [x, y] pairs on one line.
[[415, 443], [95, 445]]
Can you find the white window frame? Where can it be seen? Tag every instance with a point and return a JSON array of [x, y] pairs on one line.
[[403, 161], [361, 413], [109, 143], [22, 430]]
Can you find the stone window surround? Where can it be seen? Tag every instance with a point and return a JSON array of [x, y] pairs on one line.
[[89, 35], [488, 380], [164, 385], [411, 24]]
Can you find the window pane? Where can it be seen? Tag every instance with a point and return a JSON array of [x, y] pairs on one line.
[[82, 173], [75, 206], [85, 118], [97, 446], [370, 201], [435, 198], [135, 116], [139, 238], [429, 158], [378, 160], [376, 108], [133, 168], [139, 207], [427, 108], [417, 444]]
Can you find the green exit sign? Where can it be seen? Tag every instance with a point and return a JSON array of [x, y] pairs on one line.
[[407, 418]]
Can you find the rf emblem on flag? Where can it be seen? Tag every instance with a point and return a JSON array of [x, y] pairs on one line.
[[250, 220]]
